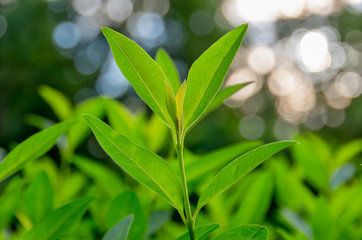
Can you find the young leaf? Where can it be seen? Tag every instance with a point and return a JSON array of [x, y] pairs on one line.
[[32, 148], [120, 231], [144, 74], [246, 232], [207, 74], [61, 221], [201, 233], [169, 68], [171, 103], [41, 190], [238, 168], [59, 103], [123, 205], [143, 165], [180, 100]]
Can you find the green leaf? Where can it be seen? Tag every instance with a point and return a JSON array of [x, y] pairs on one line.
[[61, 221], [32, 148], [123, 205], [347, 152], [39, 198], [256, 201], [238, 168], [222, 95], [201, 233], [246, 232], [143, 165], [169, 68], [121, 230], [59, 103], [217, 159], [207, 74], [144, 74]]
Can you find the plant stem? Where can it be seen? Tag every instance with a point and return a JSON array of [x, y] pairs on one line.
[[187, 206]]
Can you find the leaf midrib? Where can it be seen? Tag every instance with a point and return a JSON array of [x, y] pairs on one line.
[[137, 166], [139, 76]]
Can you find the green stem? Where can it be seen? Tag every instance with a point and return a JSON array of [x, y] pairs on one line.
[[187, 206]]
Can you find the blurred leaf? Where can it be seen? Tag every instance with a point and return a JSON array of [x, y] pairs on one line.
[[222, 95], [123, 205], [9, 200], [341, 175], [216, 159], [70, 187], [32, 148], [123, 121], [143, 165], [347, 152], [201, 233], [322, 222], [157, 220], [59, 103], [37, 121], [81, 131], [290, 190], [207, 73], [39, 198], [121, 230], [61, 221], [109, 181], [246, 232], [144, 74], [156, 133], [238, 168], [256, 201], [309, 156], [297, 222], [169, 68]]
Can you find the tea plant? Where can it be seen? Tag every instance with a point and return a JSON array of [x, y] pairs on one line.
[[133, 146], [180, 106]]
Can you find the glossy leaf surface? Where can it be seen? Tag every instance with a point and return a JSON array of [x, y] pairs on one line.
[[238, 168], [32, 148], [207, 73], [143, 165], [246, 232]]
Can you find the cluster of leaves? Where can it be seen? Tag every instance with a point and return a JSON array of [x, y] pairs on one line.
[[39, 203]]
